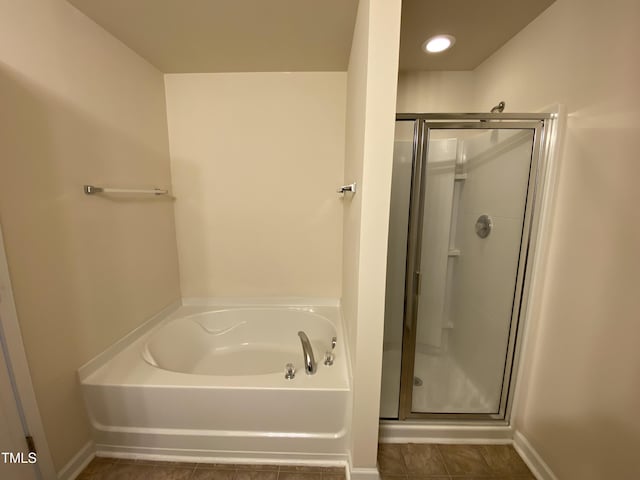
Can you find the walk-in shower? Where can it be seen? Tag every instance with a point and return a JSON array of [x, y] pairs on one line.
[[461, 239]]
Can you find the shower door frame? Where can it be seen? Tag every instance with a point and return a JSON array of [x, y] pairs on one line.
[[423, 125]]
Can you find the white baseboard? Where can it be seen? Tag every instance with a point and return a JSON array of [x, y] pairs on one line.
[[80, 460], [355, 473], [363, 474], [533, 460], [213, 456]]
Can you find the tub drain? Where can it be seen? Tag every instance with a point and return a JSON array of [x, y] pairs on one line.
[[417, 381]]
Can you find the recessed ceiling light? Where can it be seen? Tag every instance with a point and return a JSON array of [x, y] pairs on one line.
[[439, 43]]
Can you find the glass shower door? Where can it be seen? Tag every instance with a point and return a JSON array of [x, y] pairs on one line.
[[404, 151], [468, 229]]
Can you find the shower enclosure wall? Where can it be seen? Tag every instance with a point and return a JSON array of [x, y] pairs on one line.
[[462, 213]]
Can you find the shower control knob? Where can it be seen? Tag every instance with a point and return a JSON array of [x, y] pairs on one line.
[[484, 224]]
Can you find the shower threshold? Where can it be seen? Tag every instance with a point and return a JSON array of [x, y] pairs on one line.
[[446, 431]]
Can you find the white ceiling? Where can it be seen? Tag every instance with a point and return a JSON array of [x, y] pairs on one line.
[[480, 26], [180, 36], [231, 35]]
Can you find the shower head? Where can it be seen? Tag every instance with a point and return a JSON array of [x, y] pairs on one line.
[[498, 108]]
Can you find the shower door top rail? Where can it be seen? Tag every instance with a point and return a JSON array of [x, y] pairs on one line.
[[474, 116]]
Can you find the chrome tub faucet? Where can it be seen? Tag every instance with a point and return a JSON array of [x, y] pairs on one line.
[[310, 366]]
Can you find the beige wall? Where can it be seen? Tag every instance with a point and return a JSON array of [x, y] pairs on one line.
[[431, 92], [79, 107], [581, 392], [372, 81], [256, 159], [354, 153]]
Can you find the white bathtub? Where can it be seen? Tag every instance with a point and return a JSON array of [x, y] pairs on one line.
[[208, 382], [238, 341]]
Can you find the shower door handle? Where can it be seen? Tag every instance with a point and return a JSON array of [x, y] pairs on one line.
[[418, 283]]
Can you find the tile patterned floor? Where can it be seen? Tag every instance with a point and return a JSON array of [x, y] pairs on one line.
[[122, 469], [410, 461], [419, 461]]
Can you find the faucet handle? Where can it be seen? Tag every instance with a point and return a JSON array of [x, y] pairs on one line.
[[329, 355], [289, 371], [328, 358]]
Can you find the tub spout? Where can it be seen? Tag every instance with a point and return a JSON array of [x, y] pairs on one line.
[[309, 360]]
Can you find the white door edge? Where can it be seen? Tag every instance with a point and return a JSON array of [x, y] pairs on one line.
[[20, 368]]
